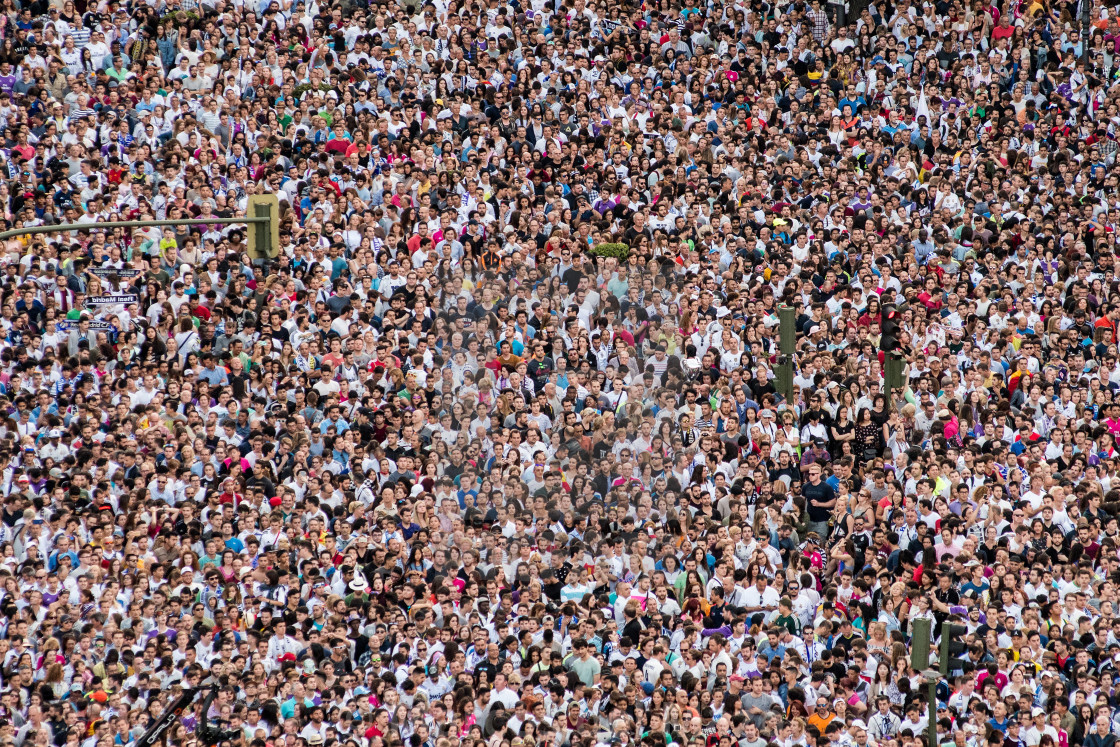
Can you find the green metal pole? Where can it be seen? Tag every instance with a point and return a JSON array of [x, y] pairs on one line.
[[786, 331], [263, 212], [931, 728], [894, 368], [787, 343], [1086, 29], [783, 377], [919, 644], [131, 224], [921, 641]]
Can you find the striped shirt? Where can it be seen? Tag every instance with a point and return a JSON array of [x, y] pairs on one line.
[[81, 35]]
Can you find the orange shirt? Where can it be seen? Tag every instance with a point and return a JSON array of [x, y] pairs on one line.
[[815, 719]]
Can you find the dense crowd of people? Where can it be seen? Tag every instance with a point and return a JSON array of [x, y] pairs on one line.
[[492, 450]]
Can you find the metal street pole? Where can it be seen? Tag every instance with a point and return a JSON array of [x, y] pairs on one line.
[[921, 640], [931, 727], [787, 332], [263, 223], [894, 366], [931, 677], [787, 343], [127, 224], [1086, 20], [921, 633]]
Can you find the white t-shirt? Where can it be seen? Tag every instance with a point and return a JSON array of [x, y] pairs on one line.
[[767, 598]]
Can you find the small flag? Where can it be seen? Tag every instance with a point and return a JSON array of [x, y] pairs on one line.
[[922, 109]]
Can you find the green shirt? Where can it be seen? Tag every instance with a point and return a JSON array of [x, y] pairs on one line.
[[585, 670], [788, 622]]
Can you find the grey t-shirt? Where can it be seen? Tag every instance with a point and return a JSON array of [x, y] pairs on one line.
[[585, 670], [762, 702]]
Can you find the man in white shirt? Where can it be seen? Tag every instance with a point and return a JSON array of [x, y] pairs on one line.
[[622, 596], [1033, 734], [316, 730], [502, 694], [762, 597], [281, 643]]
